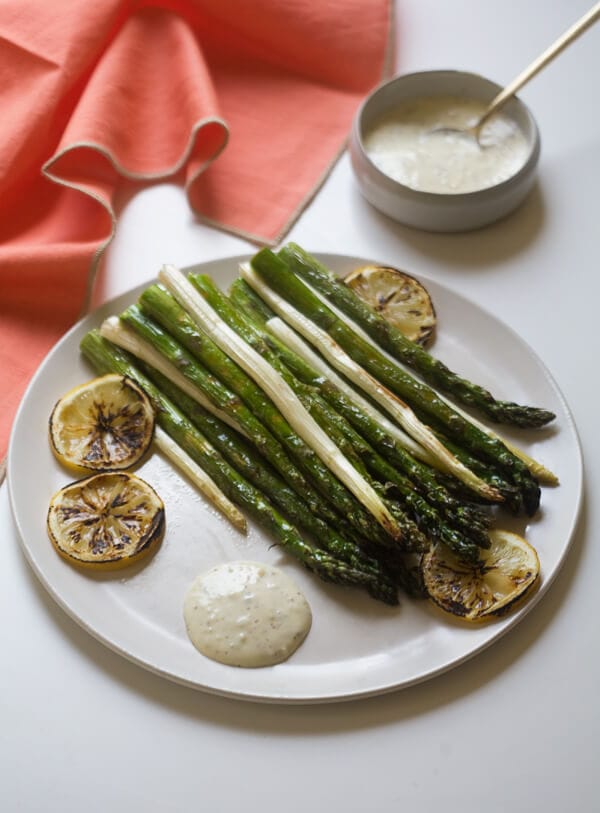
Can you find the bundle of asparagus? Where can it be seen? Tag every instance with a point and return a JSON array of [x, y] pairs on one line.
[[371, 464], [345, 565]]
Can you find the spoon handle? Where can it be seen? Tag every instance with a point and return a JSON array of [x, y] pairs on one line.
[[536, 66]]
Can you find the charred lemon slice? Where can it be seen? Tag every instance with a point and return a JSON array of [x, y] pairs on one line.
[[104, 424], [398, 297], [108, 520], [506, 573]]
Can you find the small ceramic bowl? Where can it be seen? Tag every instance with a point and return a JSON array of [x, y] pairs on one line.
[[435, 211]]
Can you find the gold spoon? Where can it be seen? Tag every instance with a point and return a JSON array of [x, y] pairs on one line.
[[535, 67]]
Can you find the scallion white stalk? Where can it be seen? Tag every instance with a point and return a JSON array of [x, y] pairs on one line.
[[203, 482], [279, 392], [393, 405], [537, 469], [296, 343], [115, 331]]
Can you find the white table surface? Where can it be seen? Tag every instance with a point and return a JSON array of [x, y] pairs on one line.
[[516, 727]]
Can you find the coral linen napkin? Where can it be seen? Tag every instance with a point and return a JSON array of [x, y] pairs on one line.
[[98, 95]]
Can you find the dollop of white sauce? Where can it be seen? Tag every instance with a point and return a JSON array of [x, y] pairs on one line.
[[246, 614], [405, 146]]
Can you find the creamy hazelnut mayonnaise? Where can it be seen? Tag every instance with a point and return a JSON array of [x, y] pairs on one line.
[[405, 146], [246, 614]]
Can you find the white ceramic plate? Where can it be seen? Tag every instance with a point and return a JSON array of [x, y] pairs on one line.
[[356, 647]]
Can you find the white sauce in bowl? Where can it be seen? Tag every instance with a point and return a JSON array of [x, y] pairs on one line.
[[246, 614], [404, 146]]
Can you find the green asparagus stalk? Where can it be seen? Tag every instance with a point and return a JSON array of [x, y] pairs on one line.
[[274, 272], [242, 296], [368, 421], [337, 356], [380, 432], [346, 437], [393, 443], [391, 339], [537, 469], [106, 357], [413, 504], [137, 333], [167, 319], [361, 505], [244, 299], [329, 421], [248, 462], [272, 384], [512, 496]]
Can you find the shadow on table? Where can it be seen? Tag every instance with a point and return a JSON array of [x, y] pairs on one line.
[[473, 250], [328, 718]]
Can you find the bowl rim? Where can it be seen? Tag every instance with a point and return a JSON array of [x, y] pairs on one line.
[[437, 197]]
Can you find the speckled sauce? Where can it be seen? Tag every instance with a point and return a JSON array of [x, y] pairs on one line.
[[406, 145], [246, 614]]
